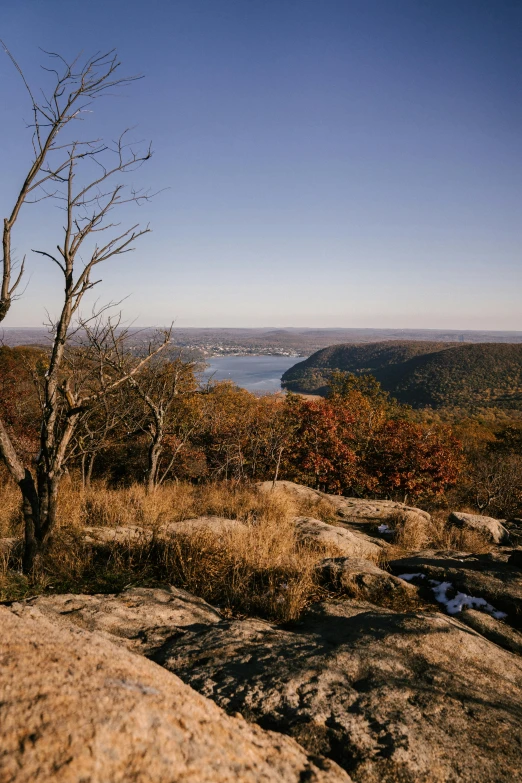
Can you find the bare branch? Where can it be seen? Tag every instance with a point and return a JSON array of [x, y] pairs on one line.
[[48, 255], [76, 86]]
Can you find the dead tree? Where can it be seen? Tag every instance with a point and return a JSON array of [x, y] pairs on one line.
[[84, 180], [163, 387], [102, 424], [165, 393], [76, 86]]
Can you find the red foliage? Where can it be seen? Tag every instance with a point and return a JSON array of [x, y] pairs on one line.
[[357, 442], [360, 445], [411, 460], [321, 448]]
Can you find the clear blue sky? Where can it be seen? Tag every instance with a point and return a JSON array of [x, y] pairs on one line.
[[329, 162]]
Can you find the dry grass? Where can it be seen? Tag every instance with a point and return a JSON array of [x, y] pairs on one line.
[[318, 508], [261, 569], [10, 516], [411, 532], [412, 535], [103, 507], [258, 569], [450, 537]]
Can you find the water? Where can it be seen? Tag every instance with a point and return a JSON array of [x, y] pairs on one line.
[[260, 374]]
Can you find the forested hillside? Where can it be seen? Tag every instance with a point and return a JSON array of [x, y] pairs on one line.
[[422, 374]]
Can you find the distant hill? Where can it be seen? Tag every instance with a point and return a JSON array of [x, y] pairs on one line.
[[290, 340], [422, 373], [311, 376]]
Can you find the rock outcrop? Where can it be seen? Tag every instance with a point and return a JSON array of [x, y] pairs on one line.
[[492, 529], [391, 697], [489, 577], [374, 511], [198, 524], [349, 509], [135, 534], [352, 511], [348, 542], [496, 631], [122, 534], [362, 579], [412, 675], [76, 708], [139, 618]]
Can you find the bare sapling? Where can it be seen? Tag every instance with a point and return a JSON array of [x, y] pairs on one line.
[[94, 362], [165, 404]]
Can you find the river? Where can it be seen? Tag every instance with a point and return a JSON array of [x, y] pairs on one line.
[[259, 374]]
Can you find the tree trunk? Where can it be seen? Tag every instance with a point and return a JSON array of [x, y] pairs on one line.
[[90, 467], [40, 506], [31, 513], [155, 450]]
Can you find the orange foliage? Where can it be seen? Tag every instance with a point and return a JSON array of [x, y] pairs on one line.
[[356, 442], [19, 403]]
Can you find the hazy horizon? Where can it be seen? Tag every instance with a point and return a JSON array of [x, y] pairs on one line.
[[294, 327], [338, 164]]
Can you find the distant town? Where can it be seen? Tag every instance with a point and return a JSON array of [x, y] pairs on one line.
[[206, 343]]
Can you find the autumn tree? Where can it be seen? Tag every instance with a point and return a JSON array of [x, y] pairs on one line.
[[358, 441], [228, 416], [242, 436], [321, 452], [407, 460]]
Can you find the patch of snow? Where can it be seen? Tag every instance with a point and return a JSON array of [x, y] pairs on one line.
[[409, 577], [440, 590], [461, 600]]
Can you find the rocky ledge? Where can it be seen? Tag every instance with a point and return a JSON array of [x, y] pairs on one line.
[[368, 693], [77, 708], [412, 674]]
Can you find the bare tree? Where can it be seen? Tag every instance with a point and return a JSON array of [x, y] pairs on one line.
[[164, 387], [165, 396], [244, 437], [84, 181], [76, 86], [493, 483], [103, 423]]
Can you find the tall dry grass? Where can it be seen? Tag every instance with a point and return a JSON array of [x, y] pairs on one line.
[[100, 506], [412, 534], [260, 568], [10, 510], [446, 536]]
